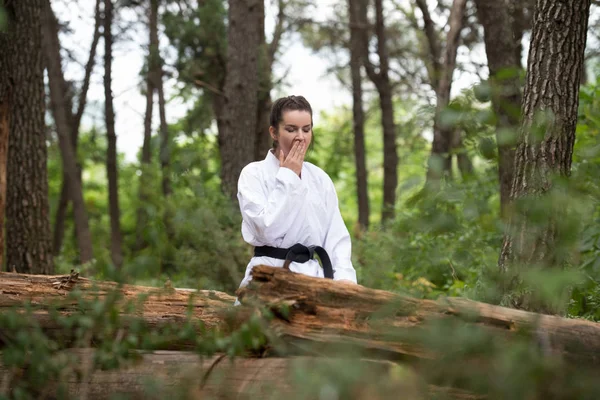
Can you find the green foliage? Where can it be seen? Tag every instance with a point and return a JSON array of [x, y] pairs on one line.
[[206, 250]]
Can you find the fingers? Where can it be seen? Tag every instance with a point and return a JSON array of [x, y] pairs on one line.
[[295, 157], [293, 151], [298, 151]]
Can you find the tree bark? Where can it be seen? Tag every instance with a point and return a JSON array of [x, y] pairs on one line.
[[175, 372], [144, 191], [165, 139], [440, 161], [504, 63], [237, 141], [63, 202], [63, 119], [28, 245], [323, 313], [330, 313], [5, 100], [381, 80], [111, 154], [263, 107], [358, 114], [546, 138]]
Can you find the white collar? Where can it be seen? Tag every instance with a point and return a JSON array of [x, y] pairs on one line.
[[271, 159]]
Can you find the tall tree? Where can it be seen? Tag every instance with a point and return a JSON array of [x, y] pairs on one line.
[[441, 69], [165, 148], [356, 62], [381, 79], [241, 91], [28, 245], [546, 138], [61, 110], [5, 99], [144, 191], [154, 82], [502, 47], [111, 155], [63, 202]]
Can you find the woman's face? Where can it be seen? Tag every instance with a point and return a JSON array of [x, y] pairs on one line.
[[296, 126]]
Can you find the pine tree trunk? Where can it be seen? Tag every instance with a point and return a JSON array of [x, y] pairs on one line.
[[61, 210], [28, 245], [503, 55], [440, 162], [165, 140], [111, 156], [358, 115], [61, 110], [263, 109], [241, 88], [381, 80], [144, 191], [5, 100], [545, 148]]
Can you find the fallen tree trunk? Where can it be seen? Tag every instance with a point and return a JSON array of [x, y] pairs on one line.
[[175, 374], [50, 297], [319, 311], [329, 312]]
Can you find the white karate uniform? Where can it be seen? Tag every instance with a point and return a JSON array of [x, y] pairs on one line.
[[280, 209]]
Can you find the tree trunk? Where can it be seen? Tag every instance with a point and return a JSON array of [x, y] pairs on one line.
[[320, 312], [358, 114], [165, 146], [165, 140], [327, 313], [28, 246], [263, 107], [381, 81], [111, 155], [546, 139], [440, 162], [504, 64], [145, 191], [63, 202], [5, 100], [241, 91], [173, 373], [63, 119]]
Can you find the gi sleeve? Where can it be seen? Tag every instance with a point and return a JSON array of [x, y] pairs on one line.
[[268, 216], [337, 240]]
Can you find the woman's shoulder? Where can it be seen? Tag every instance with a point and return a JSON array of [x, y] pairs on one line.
[[254, 167], [318, 173]]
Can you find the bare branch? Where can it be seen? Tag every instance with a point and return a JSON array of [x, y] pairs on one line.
[[278, 33], [435, 53], [89, 67]]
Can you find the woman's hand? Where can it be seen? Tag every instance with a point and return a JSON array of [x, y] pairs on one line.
[[295, 158]]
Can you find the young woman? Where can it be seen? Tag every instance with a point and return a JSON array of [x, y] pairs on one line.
[[290, 206]]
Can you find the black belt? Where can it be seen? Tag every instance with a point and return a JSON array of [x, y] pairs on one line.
[[297, 253]]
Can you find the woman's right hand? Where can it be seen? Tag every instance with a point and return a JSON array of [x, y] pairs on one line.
[[294, 159]]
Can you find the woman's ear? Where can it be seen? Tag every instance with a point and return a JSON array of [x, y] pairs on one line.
[[273, 132]]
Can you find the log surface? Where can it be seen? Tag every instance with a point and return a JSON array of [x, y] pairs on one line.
[[157, 306], [326, 311], [177, 374]]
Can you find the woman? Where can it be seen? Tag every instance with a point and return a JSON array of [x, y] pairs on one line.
[[290, 206]]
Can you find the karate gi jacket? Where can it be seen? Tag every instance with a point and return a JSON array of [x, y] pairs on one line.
[[280, 209]]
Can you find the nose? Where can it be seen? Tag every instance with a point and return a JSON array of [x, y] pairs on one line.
[[302, 136]]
